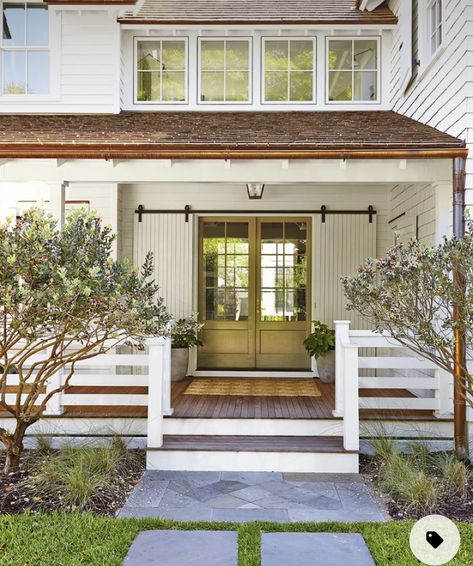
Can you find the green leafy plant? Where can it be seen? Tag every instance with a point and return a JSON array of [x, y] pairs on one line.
[[320, 341], [63, 299], [185, 332]]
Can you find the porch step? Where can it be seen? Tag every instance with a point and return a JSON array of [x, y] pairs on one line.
[[253, 453]]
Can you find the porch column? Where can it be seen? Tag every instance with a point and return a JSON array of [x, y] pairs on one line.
[[57, 201], [443, 204], [459, 401]]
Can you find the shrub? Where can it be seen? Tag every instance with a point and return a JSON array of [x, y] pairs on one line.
[[454, 473]]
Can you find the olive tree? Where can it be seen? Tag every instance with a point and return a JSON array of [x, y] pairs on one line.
[[63, 299], [421, 295]]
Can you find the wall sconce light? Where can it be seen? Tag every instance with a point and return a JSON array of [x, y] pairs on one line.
[[255, 190]]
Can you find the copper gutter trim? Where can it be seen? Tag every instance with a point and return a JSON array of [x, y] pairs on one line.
[[25, 151]]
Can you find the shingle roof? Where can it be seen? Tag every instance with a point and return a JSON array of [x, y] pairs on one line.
[[214, 12], [91, 2], [217, 134]]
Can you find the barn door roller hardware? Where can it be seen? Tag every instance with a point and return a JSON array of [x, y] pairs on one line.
[[188, 210]]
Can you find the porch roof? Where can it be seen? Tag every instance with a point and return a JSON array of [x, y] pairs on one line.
[[223, 12], [221, 135]]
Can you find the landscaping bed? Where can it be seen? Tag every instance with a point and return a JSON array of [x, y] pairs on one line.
[[95, 479], [420, 483]]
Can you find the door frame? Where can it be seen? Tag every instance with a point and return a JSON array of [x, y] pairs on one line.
[[197, 263]]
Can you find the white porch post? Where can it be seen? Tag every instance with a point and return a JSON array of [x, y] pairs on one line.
[[443, 210], [155, 391], [167, 409], [342, 328], [54, 405], [351, 417], [444, 394], [57, 201]]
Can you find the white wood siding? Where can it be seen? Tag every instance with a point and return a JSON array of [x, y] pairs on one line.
[[341, 244], [170, 239], [416, 204]]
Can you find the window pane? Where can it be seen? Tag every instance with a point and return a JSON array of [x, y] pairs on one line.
[[237, 55], [212, 86], [13, 24], [302, 55], [14, 72], [366, 55], [174, 86], [149, 55], [37, 26], [174, 55], [276, 86], [340, 87], [149, 88], [276, 55], [340, 54], [212, 55], [365, 85], [38, 72], [301, 86], [237, 86]]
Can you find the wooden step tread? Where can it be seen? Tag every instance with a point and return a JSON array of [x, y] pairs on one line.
[[326, 444]]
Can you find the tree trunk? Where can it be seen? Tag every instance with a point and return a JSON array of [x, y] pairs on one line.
[[14, 447]]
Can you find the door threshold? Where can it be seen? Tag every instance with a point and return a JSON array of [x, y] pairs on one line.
[[254, 373]]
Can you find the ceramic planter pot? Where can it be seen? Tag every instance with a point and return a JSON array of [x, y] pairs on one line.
[[179, 362], [326, 367]]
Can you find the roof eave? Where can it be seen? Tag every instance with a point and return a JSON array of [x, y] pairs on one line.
[[378, 22]]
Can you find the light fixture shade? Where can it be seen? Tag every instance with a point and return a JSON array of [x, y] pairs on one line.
[[255, 190]]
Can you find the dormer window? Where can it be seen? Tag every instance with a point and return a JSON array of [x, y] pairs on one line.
[[24, 49], [434, 25], [224, 71], [161, 71], [353, 70]]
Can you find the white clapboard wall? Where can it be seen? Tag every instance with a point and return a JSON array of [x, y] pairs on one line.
[[341, 244], [169, 238]]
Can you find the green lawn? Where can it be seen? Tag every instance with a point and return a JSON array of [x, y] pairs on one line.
[[75, 539]]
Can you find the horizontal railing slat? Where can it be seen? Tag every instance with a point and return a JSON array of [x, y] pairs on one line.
[[401, 403], [398, 383], [386, 362], [109, 380], [78, 399]]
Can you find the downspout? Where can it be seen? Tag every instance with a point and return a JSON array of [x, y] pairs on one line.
[[459, 400]]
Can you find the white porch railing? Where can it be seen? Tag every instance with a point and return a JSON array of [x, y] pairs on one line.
[[383, 372], [97, 376]]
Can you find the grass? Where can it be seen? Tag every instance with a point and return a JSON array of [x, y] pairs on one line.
[[84, 540]]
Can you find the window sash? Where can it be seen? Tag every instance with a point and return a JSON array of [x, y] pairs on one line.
[[434, 25], [164, 75], [226, 74], [287, 73], [353, 71], [8, 51]]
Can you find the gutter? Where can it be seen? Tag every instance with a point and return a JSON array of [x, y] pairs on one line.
[[144, 151]]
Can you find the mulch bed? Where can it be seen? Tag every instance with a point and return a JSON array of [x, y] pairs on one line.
[[456, 508], [17, 496]]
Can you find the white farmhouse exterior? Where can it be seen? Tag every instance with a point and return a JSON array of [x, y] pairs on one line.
[[344, 117]]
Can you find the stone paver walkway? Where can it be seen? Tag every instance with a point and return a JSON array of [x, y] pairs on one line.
[[183, 548], [314, 549], [252, 496]]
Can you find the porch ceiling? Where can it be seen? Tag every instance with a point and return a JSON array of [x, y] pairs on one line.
[[222, 135]]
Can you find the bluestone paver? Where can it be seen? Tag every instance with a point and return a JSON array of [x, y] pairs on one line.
[[314, 549]]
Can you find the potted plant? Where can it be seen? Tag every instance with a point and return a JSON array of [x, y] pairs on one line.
[[320, 344], [184, 335]]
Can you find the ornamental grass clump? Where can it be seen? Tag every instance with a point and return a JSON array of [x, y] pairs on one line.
[[63, 299]]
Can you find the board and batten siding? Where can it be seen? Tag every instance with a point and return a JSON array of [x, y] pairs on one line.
[[440, 93], [341, 244], [174, 243], [170, 239]]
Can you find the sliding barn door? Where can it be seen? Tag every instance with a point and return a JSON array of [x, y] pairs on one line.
[[170, 238], [341, 244]]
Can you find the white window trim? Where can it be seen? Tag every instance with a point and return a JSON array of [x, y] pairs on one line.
[[289, 38], [137, 102], [426, 58], [379, 98], [50, 49], [251, 63]]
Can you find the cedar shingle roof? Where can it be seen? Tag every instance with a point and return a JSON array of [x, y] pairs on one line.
[[220, 134], [215, 12]]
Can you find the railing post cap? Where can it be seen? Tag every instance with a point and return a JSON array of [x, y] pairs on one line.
[[346, 322]]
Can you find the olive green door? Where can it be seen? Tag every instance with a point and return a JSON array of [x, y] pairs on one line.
[[254, 293]]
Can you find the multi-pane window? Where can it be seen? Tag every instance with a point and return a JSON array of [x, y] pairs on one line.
[[24, 48], [353, 70], [288, 70], [434, 8], [224, 71], [161, 70]]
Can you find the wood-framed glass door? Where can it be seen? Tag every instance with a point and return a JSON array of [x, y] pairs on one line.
[[254, 292]]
